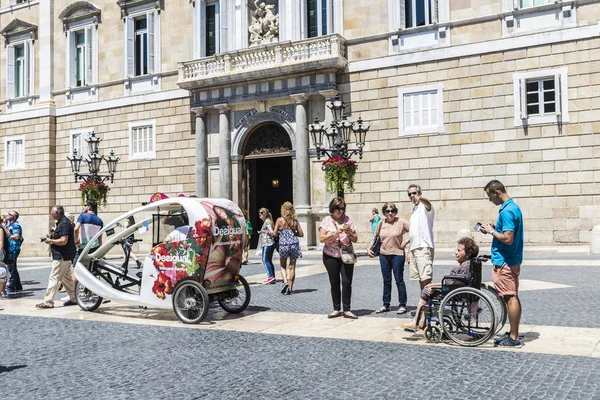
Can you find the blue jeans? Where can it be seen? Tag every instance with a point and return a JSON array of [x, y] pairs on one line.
[[267, 259], [396, 264]]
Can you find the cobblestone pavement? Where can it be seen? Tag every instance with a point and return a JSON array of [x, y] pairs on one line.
[[63, 358]]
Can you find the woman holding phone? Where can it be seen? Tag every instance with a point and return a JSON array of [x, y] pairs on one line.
[[335, 231]]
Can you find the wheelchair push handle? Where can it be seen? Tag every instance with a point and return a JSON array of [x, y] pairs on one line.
[[484, 257]]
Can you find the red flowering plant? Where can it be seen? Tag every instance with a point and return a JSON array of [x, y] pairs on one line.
[[339, 172], [92, 190]]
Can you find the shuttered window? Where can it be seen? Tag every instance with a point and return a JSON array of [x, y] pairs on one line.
[[317, 17], [140, 36], [142, 140], [14, 151]]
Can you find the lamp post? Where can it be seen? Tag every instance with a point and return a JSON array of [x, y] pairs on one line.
[[93, 161], [339, 136]]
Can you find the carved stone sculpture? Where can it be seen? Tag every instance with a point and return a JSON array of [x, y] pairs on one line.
[[264, 24]]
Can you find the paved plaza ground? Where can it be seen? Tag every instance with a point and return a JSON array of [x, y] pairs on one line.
[[285, 347]]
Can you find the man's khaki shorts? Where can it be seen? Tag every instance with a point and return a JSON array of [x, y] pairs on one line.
[[421, 264]]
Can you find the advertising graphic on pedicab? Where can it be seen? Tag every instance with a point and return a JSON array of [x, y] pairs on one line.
[[195, 258]]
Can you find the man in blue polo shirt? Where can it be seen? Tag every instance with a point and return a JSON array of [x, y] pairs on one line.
[[507, 256]]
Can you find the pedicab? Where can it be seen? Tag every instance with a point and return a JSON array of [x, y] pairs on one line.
[[195, 259]]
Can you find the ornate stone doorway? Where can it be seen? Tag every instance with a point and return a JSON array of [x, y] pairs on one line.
[[267, 178]]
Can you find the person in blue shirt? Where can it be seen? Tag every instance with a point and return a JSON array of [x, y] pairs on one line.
[[507, 256], [374, 221], [15, 238]]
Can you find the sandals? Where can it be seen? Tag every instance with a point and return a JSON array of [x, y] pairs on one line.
[[411, 326], [401, 310], [348, 314], [335, 314], [382, 309], [44, 305]]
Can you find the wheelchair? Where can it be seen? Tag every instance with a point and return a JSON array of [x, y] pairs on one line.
[[468, 314]]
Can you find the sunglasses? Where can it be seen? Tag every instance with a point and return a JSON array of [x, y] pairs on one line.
[[260, 213], [341, 208], [390, 211], [410, 194]]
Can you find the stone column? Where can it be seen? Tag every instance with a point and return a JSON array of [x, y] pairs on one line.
[[302, 174], [302, 178], [201, 153], [224, 152], [46, 51]]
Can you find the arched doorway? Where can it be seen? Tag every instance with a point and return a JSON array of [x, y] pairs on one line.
[[267, 178]]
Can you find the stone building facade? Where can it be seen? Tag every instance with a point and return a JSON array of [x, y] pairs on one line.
[[195, 98]]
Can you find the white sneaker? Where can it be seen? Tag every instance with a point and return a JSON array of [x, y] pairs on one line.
[[66, 298]]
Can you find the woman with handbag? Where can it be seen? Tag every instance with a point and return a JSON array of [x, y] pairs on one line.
[[390, 234], [337, 232], [268, 244], [288, 230]]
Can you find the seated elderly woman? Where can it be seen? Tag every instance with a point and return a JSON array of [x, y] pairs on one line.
[[466, 249]]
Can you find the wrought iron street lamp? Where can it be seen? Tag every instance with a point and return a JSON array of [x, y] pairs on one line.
[[339, 135], [93, 161]]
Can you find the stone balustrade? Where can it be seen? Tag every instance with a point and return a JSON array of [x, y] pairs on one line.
[[275, 59]]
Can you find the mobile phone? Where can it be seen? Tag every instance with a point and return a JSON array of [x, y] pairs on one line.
[[42, 239], [479, 227]]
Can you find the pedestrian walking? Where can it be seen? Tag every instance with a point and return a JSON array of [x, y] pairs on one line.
[[62, 247], [421, 237], [288, 229], [268, 244], [337, 232], [15, 239], [374, 220], [249, 231], [507, 257], [391, 230]]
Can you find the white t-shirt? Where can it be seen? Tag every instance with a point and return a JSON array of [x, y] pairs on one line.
[[421, 227], [179, 234]]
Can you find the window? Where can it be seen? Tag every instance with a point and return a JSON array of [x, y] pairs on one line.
[[534, 3], [80, 54], [317, 18], [420, 110], [19, 70], [142, 140], [212, 16], [141, 44], [541, 97], [419, 12], [78, 142], [14, 153]]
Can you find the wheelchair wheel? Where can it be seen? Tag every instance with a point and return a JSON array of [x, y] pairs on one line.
[[240, 302], [472, 316], [499, 306], [190, 302], [433, 334]]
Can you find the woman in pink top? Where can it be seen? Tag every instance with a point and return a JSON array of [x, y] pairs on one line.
[[335, 231], [391, 230]]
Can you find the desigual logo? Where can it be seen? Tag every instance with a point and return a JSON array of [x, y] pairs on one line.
[[173, 258], [226, 231]]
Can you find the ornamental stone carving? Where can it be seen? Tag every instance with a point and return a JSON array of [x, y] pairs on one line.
[[268, 139], [264, 25]]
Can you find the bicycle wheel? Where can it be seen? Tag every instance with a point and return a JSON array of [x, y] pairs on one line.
[[472, 315], [499, 305], [240, 302], [86, 299], [190, 302]]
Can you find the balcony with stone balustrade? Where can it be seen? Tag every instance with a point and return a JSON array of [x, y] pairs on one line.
[[275, 60]]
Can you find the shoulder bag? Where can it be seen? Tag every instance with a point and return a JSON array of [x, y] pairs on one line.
[[376, 246]]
